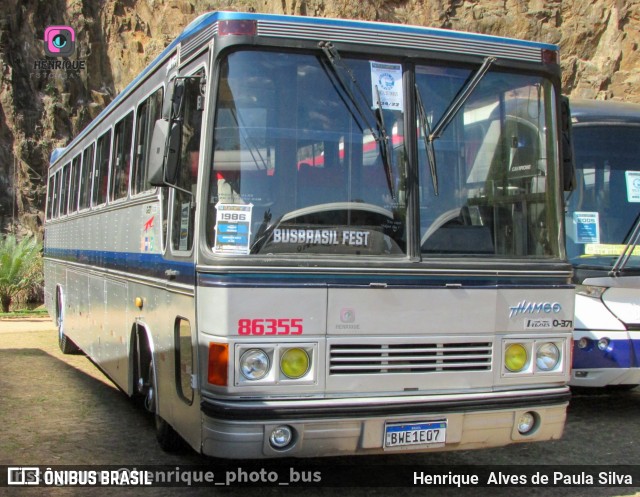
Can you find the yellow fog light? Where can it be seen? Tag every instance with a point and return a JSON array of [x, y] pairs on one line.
[[294, 363], [515, 357]]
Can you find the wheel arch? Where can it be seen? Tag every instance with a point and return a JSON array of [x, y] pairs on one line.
[[142, 353]]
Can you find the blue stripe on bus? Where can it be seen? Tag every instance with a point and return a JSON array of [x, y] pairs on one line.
[[155, 265], [290, 279], [143, 264], [619, 354]]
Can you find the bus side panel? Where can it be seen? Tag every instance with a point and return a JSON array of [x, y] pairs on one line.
[[162, 313], [114, 358], [50, 288], [76, 307]]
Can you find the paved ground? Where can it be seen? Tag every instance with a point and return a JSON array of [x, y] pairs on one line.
[[60, 409]]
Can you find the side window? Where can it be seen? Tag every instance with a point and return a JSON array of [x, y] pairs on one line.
[[51, 200], [121, 159], [183, 208], [101, 174], [148, 113], [184, 359], [56, 198], [85, 177], [64, 188], [75, 183]]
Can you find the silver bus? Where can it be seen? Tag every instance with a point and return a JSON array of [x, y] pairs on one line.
[[294, 236], [603, 227]]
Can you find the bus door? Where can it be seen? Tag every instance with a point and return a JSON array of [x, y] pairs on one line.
[[178, 395]]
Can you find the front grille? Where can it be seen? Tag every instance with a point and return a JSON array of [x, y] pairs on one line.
[[349, 359]]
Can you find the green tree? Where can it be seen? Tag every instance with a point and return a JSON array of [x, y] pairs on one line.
[[20, 267]]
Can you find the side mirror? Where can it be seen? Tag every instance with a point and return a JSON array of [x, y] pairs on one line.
[[156, 152], [165, 153], [568, 158], [173, 153]]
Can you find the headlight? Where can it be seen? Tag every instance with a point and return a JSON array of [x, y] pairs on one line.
[[515, 357], [547, 356], [603, 344], [590, 291], [583, 343], [254, 364], [527, 422], [294, 363]]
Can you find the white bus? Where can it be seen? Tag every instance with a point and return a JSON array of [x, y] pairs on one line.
[[603, 226], [294, 236]]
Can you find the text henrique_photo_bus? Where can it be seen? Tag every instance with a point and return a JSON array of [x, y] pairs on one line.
[[295, 236], [603, 226]]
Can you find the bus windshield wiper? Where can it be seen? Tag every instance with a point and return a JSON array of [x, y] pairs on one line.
[[460, 99], [380, 135], [426, 132], [627, 252], [451, 112]]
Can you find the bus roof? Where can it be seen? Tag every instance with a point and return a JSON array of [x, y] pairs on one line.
[[365, 31], [604, 111]]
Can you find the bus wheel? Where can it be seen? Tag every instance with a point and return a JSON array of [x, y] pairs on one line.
[[66, 345], [167, 437]]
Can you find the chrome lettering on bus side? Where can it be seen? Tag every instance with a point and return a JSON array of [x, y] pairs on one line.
[[525, 307]]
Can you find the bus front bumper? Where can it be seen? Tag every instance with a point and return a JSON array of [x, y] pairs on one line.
[[323, 427]]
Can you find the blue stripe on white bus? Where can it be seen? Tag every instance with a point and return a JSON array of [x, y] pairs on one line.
[[155, 265], [151, 265], [282, 277]]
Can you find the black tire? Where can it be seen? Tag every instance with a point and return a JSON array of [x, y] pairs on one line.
[[167, 437]]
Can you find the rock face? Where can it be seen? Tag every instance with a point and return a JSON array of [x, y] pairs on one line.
[[116, 39]]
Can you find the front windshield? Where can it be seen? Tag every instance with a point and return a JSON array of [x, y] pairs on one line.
[[495, 166], [311, 158], [604, 207], [297, 168]]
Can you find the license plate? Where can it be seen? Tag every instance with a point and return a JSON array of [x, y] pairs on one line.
[[431, 434]]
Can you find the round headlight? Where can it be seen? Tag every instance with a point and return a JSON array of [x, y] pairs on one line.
[[295, 363], [526, 422], [281, 437], [603, 344], [254, 364], [547, 356], [515, 357]]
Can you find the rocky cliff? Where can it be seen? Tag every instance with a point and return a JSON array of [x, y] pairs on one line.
[[42, 109]]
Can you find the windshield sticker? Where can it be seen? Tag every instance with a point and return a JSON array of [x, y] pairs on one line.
[[607, 249], [633, 185], [352, 238], [185, 210], [388, 79], [233, 228], [587, 227]]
